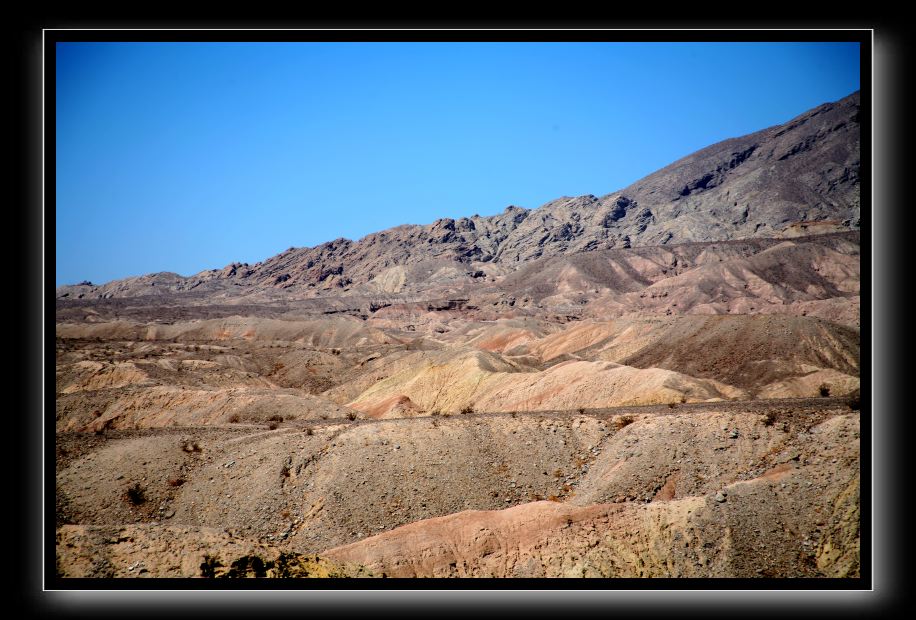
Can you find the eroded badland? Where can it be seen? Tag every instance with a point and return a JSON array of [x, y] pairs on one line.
[[662, 381]]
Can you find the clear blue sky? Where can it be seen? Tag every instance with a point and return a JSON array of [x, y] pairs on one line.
[[183, 157]]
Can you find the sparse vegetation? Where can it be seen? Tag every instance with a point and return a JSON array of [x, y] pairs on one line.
[[209, 565], [275, 418], [824, 390], [769, 418], [235, 418], [191, 446], [136, 494], [351, 415], [467, 409], [622, 421]]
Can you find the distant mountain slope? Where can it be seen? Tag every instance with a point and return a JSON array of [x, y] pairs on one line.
[[801, 177]]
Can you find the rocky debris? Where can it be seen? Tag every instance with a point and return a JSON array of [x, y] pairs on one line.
[[179, 551]]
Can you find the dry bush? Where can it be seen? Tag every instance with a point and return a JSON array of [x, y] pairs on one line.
[[672, 405], [769, 418], [309, 430], [824, 389], [235, 418], [351, 415], [191, 446], [467, 409], [623, 420], [275, 418], [136, 494], [272, 426], [553, 498]]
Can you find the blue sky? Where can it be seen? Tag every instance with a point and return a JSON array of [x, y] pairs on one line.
[[188, 156]]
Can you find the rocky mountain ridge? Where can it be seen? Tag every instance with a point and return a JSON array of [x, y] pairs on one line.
[[794, 179]]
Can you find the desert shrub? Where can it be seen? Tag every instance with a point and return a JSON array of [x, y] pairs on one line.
[[235, 418], [309, 431], [176, 482], [581, 410], [622, 421], [824, 389], [672, 405], [272, 426], [467, 409], [435, 412], [275, 418], [351, 415], [683, 399], [769, 418], [446, 414], [553, 498], [209, 565], [136, 494]]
